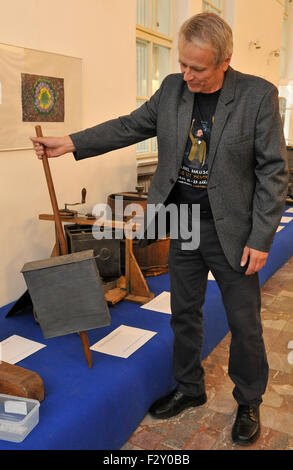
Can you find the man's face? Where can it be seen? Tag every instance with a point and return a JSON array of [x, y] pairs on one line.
[[198, 67]]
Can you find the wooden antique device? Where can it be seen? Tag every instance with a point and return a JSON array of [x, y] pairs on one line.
[[132, 286], [60, 237]]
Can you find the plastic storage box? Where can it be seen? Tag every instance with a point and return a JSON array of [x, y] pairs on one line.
[[18, 416]]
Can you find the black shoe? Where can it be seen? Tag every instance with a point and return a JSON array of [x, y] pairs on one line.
[[174, 403], [246, 428]]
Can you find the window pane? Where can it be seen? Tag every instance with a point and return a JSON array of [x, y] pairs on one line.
[[161, 65], [142, 68], [162, 13], [154, 145], [283, 62], [142, 147], [218, 3], [143, 13], [286, 6], [215, 7], [284, 32]]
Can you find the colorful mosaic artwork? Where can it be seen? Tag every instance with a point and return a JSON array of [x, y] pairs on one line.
[[42, 98]]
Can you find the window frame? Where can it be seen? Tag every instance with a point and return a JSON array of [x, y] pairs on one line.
[[220, 10], [154, 37], [285, 30]]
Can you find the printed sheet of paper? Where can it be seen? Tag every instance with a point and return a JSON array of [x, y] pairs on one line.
[[123, 341], [161, 303], [280, 228], [290, 211], [15, 348], [286, 220]]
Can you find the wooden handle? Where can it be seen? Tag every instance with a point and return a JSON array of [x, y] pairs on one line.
[[59, 228], [83, 195]]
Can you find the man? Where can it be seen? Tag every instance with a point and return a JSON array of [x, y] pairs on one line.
[[220, 145]]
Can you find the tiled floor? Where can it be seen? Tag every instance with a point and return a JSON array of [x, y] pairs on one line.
[[209, 426]]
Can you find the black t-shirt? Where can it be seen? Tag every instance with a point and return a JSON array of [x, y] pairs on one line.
[[191, 184]]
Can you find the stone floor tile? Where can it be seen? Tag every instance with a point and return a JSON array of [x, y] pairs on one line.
[[278, 361], [282, 304], [281, 344], [223, 403], [179, 435], [145, 439], [201, 441], [286, 293], [290, 444], [221, 421], [277, 420], [159, 426], [286, 390], [271, 336], [274, 324], [129, 446], [276, 440], [272, 398], [267, 299]]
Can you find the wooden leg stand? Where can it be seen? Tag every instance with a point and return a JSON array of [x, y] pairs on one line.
[[137, 287]]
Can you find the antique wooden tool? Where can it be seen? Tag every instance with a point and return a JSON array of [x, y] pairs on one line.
[[61, 237], [15, 380]]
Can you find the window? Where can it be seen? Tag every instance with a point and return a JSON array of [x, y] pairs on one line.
[[286, 85], [283, 61], [154, 43], [215, 6]]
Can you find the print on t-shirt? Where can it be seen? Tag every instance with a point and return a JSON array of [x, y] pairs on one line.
[[194, 169]]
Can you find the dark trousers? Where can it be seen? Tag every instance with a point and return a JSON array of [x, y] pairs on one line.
[[188, 269]]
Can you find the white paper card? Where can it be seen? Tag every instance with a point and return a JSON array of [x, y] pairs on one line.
[[15, 348], [123, 341], [285, 220], [161, 303], [280, 228], [17, 407], [211, 277], [289, 210]]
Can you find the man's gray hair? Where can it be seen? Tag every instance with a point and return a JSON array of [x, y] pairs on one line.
[[209, 28]]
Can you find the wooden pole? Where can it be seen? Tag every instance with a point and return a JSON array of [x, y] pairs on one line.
[[61, 237]]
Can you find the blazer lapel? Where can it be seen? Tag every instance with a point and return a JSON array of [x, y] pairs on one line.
[[224, 107], [185, 109]]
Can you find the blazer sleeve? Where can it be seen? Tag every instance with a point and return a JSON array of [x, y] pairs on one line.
[[121, 132], [271, 172]]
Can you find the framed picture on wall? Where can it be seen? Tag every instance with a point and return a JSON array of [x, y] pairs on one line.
[[37, 87]]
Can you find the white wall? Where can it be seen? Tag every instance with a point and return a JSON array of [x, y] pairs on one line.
[[257, 20], [102, 33]]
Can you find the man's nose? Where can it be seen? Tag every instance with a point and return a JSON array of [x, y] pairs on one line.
[[188, 74]]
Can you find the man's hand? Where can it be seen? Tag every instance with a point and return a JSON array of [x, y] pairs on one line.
[[55, 146], [257, 259]]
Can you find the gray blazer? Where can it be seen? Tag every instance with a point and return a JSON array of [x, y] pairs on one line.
[[248, 170]]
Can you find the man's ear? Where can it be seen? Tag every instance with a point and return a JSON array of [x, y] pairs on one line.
[[226, 63]]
